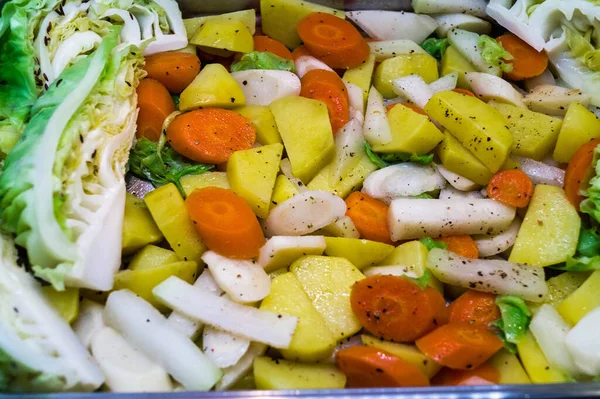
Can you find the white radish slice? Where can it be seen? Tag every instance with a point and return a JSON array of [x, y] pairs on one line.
[[545, 78], [286, 169], [233, 374], [376, 128], [356, 102], [343, 227], [308, 63], [125, 368], [584, 345], [391, 48], [541, 173], [554, 100], [394, 270], [467, 44], [402, 180], [305, 213], [223, 349], [349, 150], [494, 244], [489, 87], [243, 280], [248, 322], [457, 181], [473, 7], [414, 89], [145, 328], [282, 251], [550, 332], [417, 218], [471, 23], [450, 193], [495, 276], [445, 83], [394, 25], [89, 321], [262, 87]]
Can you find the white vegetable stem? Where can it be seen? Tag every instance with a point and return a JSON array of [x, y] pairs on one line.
[[417, 218], [445, 83], [414, 89], [282, 251], [473, 7], [356, 103], [457, 181], [305, 213], [495, 276], [541, 173], [125, 368], [467, 44], [394, 270], [233, 374], [307, 63], [220, 312], [262, 87], [349, 150], [286, 169], [402, 180], [392, 25], [545, 78], [471, 23], [222, 348], [391, 48], [584, 345], [550, 332], [489, 87], [243, 280], [376, 128], [89, 321], [450, 193], [554, 100], [489, 245], [142, 325]]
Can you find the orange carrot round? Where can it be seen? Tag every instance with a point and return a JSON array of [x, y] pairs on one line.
[[155, 104], [300, 51], [265, 43], [225, 222], [328, 87], [474, 307], [396, 309], [367, 367], [460, 345], [407, 105], [577, 171], [461, 245], [333, 40], [511, 187], [464, 91], [449, 377], [175, 70], [527, 62], [369, 215], [210, 135]]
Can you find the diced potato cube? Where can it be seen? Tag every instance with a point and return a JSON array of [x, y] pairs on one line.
[[213, 87], [65, 302], [352, 181], [206, 179], [477, 126], [306, 134], [412, 132], [550, 230], [563, 285], [170, 214], [247, 17], [412, 254], [264, 122], [284, 190], [280, 17], [453, 61], [343, 227], [578, 127], [361, 253], [252, 175], [152, 256], [536, 364], [312, 340], [534, 134], [283, 374], [423, 65], [328, 283], [456, 158], [229, 35], [139, 228], [509, 367], [362, 76], [581, 301]]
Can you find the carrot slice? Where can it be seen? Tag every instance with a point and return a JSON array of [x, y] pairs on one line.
[[577, 171], [464, 91], [210, 135], [460, 345], [155, 104], [368, 367], [396, 309], [225, 222], [300, 51], [527, 62], [265, 43], [474, 307], [407, 105], [175, 70], [451, 377], [333, 40], [328, 87], [462, 245], [369, 216], [511, 187]]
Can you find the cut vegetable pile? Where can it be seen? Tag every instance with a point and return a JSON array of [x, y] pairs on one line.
[[337, 200]]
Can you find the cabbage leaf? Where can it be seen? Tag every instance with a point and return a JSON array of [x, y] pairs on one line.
[[514, 320], [494, 54], [262, 60]]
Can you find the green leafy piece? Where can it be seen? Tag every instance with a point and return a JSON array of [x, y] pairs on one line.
[[374, 157], [430, 243], [589, 242], [591, 204], [262, 60], [162, 166], [581, 48], [421, 281], [436, 47], [580, 264], [399, 157], [514, 321], [423, 196], [176, 99], [494, 53]]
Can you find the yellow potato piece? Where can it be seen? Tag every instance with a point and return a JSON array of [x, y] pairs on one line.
[[583, 300], [352, 181], [412, 254], [283, 374], [453, 61], [262, 119], [362, 76], [510, 368], [152, 256], [65, 302], [247, 17], [563, 285], [206, 179], [139, 228], [213, 87], [423, 65], [229, 35], [284, 190], [536, 364], [456, 158], [361, 253], [550, 230], [579, 126]]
